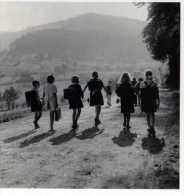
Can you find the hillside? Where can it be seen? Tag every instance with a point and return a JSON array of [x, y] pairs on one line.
[[85, 38], [81, 43], [6, 38]]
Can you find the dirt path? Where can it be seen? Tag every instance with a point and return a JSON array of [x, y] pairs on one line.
[[92, 158]]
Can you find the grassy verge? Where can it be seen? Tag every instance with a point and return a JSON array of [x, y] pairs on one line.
[[13, 114], [167, 173]]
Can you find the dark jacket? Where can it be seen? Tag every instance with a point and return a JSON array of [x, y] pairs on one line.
[[126, 92]]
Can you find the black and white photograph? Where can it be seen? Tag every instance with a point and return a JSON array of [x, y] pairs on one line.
[[90, 95]]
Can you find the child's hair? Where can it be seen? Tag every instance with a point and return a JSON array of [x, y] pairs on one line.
[[125, 78], [95, 75], [35, 83], [140, 79], [148, 73], [50, 79], [75, 79]]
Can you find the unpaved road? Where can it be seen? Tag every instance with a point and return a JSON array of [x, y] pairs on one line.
[[91, 158]]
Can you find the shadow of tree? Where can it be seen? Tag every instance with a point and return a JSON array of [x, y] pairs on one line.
[[89, 133], [17, 137], [63, 138], [125, 138], [153, 144], [35, 139]]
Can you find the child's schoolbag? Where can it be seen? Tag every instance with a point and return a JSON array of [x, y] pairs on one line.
[[28, 95], [68, 92]]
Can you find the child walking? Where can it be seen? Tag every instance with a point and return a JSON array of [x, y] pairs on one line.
[[35, 103], [109, 93], [75, 100], [138, 90], [134, 83], [50, 95], [126, 93], [95, 86], [150, 100]]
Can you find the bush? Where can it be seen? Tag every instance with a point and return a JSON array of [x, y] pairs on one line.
[[9, 96]]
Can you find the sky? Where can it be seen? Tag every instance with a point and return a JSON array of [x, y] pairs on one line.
[[15, 16]]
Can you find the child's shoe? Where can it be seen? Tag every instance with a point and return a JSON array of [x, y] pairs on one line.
[[151, 132], [128, 126], [75, 125], [124, 124], [97, 122], [36, 126]]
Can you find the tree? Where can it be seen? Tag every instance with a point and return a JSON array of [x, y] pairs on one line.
[[1, 97], [162, 37], [10, 95]]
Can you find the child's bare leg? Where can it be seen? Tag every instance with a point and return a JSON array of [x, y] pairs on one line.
[[74, 117], [51, 120], [128, 120], [152, 120], [36, 118], [148, 120], [78, 115], [152, 123], [39, 114], [35, 121], [139, 100], [109, 100], [124, 122], [98, 110]]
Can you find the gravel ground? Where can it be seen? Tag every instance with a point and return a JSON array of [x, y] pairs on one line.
[[108, 157]]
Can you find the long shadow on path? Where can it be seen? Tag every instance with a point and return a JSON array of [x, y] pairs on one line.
[[63, 138], [153, 144], [89, 133], [35, 139], [125, 138], [86, 134], [17, 137]]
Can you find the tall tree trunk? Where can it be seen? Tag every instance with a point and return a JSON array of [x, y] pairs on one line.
[[174, 68]]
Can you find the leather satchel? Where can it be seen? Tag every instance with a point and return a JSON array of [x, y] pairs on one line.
[[57, 114]]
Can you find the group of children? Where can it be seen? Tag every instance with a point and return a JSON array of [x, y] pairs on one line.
[[37, 103], [148, 97]]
